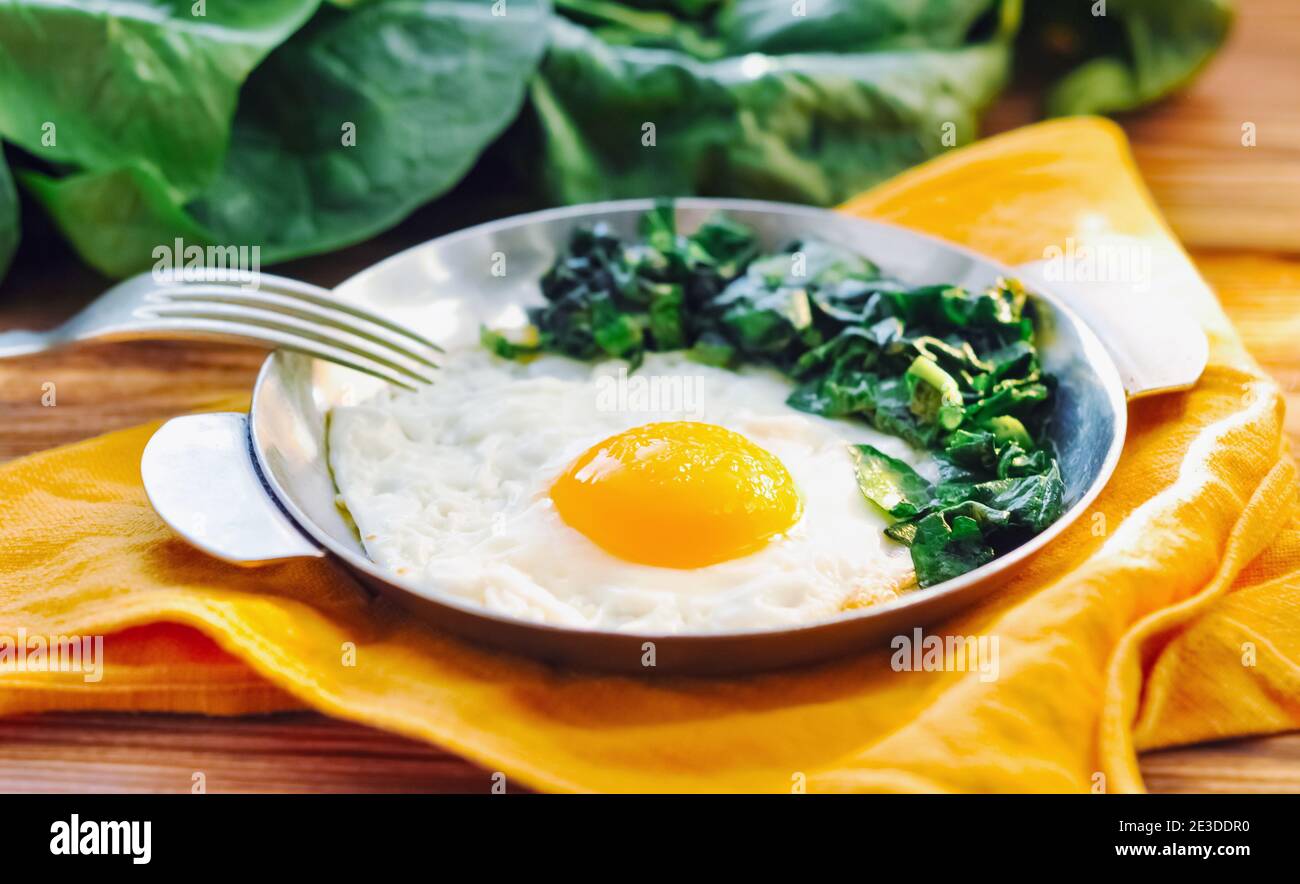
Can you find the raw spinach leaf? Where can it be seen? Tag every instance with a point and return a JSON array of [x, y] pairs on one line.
[[818, 127], [116, 218], [1137, 52], [295, 182], [99, 85], [850, 25], [623, 24], [427, 87]]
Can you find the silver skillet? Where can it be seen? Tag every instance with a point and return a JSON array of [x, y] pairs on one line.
[[255, 489]]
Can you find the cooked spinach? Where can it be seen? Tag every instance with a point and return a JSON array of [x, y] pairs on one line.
[[950, 371], [890, 483]]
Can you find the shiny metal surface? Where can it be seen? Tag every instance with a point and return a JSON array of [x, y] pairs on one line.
[[243, 307], [1156, 346], [200, 477], [447, 288]]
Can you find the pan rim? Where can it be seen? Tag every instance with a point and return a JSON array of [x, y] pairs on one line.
[[1098, 360]]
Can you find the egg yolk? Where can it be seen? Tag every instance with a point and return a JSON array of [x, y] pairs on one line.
[[679, 494]]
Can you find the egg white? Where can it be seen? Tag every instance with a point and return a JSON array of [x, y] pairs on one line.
[[449, 488]]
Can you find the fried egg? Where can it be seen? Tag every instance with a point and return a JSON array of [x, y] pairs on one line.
[[679, 498]]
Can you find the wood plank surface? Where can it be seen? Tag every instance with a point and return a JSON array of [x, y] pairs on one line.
[[1217, 191], [304, 752], [1238, 207], [298, 752]]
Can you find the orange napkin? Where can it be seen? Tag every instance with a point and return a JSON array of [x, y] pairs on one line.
[[1165, 615]]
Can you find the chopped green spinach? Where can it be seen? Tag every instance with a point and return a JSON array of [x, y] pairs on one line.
[[950, 371]]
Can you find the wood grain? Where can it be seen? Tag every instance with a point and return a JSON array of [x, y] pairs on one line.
[[1269, 764], [1216, 191], [304, 752], [1261, 294], [300, 752], [1234, 205]]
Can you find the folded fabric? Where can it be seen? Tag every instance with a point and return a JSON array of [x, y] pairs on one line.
[[1165, 615]]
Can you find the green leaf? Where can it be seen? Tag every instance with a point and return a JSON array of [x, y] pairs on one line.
[[882, 401], [618, 24], [1138, 52], [8, 217], [770, 308], [712, 348], [849, 25], [814, 128], [850, 350], [1007, 430], [1014, 462], [115, 219], [498, 343], [615, 298], [723, 245], [615, 332], [764, 321], [998, 310], [1033, 502], [967, 456], [936, 398], [1008, 397], [950, 543], [99, 85], [427, 87], [890, 483], [658, 227], [668, 317]]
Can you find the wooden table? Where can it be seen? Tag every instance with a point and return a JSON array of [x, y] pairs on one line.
[[1236, 207]]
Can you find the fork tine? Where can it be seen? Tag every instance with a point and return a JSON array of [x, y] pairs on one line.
[[231, 331], [321, 297], [256, 318], [329, 316]]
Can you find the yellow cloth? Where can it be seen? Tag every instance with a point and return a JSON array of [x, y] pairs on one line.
[[1134, 630]]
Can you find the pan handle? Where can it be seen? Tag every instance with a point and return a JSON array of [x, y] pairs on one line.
[[1142, 316], [200, 478]]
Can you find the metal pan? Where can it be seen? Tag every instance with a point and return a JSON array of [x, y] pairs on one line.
[[255, 489]]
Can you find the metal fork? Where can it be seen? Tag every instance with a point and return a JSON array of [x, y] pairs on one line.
[[243, 307]]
